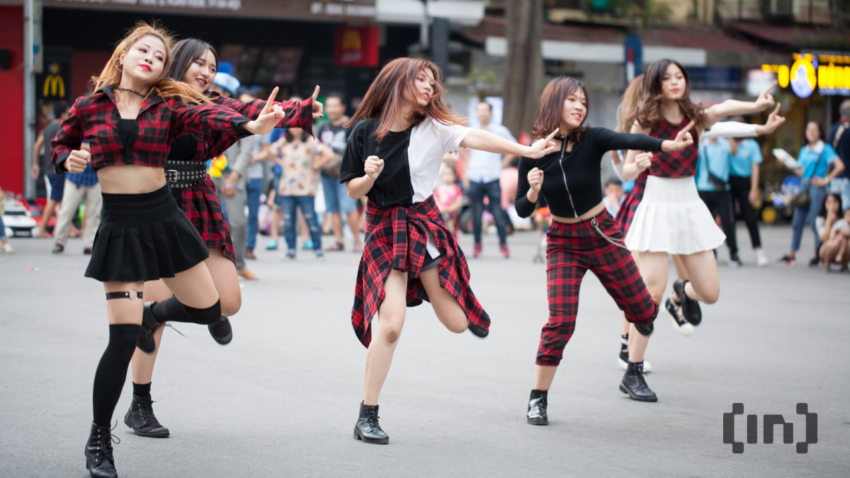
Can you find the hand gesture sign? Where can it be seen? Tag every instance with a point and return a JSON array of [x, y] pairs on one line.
[[542, 148], [268, 119], [682, 141], [373, 167], [765, 99], [77, 161], [318, 108], [773, 121], [643, 161], [535, 180]]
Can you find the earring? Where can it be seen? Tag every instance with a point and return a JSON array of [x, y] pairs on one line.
[[119, 64]]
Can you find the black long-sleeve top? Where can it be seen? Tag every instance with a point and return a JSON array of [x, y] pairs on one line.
[[572, 181]]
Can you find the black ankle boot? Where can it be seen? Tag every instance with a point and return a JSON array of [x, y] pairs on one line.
[[146, 342], [221, 331], [635, 385], [537, 403], [367, 428], [99, 460], [141, 419], [478, 331]]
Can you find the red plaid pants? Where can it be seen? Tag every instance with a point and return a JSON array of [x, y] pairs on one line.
[[573, 250]]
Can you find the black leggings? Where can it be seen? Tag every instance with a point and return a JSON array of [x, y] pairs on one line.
[[720, 203], [740, 189], [112, 371]]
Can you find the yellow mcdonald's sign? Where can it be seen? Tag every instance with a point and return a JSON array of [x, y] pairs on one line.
[[54, 83], [351, 40]]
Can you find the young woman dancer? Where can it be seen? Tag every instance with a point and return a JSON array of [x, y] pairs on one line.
[[815, 159], [402, 130], [583, 236], [130, 121], [671, 218], [632, 98], [195, 63]]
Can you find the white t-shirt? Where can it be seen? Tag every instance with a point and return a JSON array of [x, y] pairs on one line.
[[485, 167]]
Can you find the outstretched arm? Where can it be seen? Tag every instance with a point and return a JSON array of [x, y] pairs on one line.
[[493, 143], [735, 107]]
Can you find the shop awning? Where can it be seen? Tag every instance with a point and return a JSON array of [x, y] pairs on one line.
[[795, 35], [605, 45]]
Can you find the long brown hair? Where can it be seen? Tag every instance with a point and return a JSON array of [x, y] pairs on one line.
[[165, 87], [383, 99], [551, 108], [632, 98], [649, 112]]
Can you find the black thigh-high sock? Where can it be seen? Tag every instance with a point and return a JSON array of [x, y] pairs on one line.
[[112, 371], [172, 310]]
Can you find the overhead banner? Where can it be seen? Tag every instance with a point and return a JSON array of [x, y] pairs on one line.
[[356, 46]]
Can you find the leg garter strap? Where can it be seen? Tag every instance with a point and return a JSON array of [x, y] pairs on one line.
[[132, 295]]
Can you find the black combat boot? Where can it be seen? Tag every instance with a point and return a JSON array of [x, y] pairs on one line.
[[635, 385], [367, 428], [221, 330], [141, 419], [99, 460], [537, 403], [146, 341]]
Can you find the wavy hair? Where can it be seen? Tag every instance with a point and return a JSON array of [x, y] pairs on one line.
[[632, 98], [648, 114], [551, 108], [384, 97], [165, 87]]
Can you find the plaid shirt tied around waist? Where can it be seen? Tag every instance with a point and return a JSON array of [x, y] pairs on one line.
[[396, 238]]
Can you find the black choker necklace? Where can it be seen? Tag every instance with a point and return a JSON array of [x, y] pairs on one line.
[[131, 91]]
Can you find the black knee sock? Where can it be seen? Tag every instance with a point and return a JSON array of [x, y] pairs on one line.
[[112, 371], [172, 310], [143, 390]]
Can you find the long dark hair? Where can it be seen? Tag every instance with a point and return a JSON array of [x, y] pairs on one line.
[[187, 51], [649, 112], [290, 138], [383, 99], [551, 108], [837, 197]]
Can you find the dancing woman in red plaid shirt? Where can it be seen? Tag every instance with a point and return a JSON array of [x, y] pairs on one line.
[[671, 218], [195, 63], [130, 121], [401, 131], [583, 236]]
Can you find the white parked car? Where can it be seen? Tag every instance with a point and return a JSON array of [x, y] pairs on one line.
[[18, 220]]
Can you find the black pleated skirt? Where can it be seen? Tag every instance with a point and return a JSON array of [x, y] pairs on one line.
[[144, 237]]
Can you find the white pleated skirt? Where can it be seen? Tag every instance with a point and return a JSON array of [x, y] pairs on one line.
[[672, 218]]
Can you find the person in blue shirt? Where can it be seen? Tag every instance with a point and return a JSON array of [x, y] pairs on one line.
[[839, 138], [744, 160], [78, 185], [815, 160], [712, 185]]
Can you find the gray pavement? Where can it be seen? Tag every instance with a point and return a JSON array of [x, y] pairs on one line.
[[282, 399]]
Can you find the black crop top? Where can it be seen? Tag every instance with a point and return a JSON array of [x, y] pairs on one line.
[[580, 169]]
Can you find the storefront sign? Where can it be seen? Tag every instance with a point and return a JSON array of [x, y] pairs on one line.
[[281, 9], [829, 73], [356, 46]]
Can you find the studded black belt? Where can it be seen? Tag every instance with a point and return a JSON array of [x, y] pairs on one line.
[[184, 174]]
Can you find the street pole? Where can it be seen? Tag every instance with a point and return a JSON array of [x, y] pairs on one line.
[[32, 51]]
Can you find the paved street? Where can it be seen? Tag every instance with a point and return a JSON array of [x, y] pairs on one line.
[[282, 399]]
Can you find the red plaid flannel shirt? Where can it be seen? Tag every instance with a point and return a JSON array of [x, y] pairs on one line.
[[674, 164], [396, 239], [298, 114], [160, 121]]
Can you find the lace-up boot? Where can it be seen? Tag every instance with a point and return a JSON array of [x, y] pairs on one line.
[[537, 404], [99, 460], [141, 419], [221, 330], [367, 428], [635, 385]]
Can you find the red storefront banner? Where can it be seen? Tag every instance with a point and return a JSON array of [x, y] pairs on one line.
[[356, 46]]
